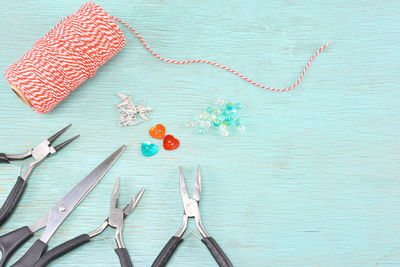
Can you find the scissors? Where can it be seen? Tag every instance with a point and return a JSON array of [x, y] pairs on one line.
[[115, 220], [10, 242]]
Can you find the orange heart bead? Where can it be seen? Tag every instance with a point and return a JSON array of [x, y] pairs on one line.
[[157, 131]]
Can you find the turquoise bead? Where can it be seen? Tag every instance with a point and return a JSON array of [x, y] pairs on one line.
[[237, 122], [217, 122], [238, 106], [201, 131], [229, 106], [210, 110], [221, 117]]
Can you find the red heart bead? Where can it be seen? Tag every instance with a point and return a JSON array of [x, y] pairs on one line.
[[170, 142], [157, 131]]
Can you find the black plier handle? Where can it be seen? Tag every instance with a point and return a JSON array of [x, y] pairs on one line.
[[39, 153]]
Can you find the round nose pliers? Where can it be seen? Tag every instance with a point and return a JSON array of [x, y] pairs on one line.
[[39, 153], [191, 210]]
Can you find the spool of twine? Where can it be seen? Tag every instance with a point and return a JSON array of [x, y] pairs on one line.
[[65, 57]]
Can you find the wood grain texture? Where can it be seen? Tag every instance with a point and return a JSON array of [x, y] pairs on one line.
[[313, 182]]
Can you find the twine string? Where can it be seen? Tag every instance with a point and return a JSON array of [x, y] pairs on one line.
[[222, 66]]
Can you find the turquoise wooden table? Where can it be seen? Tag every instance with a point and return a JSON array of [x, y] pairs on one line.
[[314, 181]]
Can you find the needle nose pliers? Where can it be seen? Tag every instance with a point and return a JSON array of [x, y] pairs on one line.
[[115, 220], [191, 209], [39, 153]]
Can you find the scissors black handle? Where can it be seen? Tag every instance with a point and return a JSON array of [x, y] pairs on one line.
[[10, 242], [167, 252], [3, 158], [62, 249], [32, 255], [12, 200], [217, 252], [123, 256]]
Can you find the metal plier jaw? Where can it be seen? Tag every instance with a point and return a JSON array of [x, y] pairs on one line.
[[191, 210], [191, 205], [40, 152], [117, 216]]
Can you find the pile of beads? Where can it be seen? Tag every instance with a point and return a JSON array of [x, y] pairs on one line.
[[222, 117]]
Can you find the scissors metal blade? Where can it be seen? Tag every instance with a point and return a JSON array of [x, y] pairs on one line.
[[71, 200]]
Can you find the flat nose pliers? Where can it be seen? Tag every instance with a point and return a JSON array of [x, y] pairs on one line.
[[191, 209], [39, 153], [115, 220]]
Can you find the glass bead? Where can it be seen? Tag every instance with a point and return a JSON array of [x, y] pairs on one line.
[[206, 115], [200, 123], [199, 116], [210, 110], [213, 117], [221, 117], [217, 111], [225, 123], [201, 131], [225, 133], [190, 124], [229, 106], [237, 122], [233, 112], [222, 127], [220, 102], [216, 122], [242, 128], [238, 106], [207, 124]]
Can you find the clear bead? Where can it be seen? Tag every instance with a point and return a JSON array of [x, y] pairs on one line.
[[206, 115], [217, 111], [190, 124], [201, 131], [213, 117], [207, 124], [222, 127], [220, 102], [242, 128], [221, 117], [224, 133]]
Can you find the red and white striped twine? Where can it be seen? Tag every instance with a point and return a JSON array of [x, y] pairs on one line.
[[222, 66], [72, 52]]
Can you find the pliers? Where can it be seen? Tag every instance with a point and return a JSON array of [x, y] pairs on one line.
[[115, 220], [52, 220], [191, 209], [39, 153]]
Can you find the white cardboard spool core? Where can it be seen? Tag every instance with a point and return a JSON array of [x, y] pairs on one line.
[[21, 95]]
